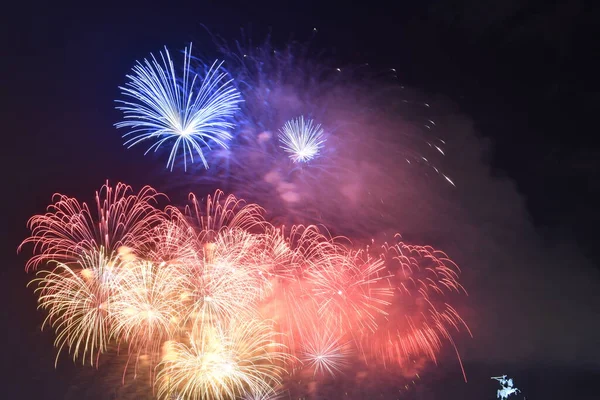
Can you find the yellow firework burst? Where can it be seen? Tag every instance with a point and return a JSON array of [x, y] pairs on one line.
[[146, 307], [78, 298], [223, 361]]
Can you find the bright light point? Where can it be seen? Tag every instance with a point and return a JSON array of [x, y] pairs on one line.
[[87, 273], [123, 250], [301, 139], [228, 368], [340, 292], [187, 131]]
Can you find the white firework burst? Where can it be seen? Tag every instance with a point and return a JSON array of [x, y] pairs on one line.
[[192, 113], [302, 139], [326, 352]]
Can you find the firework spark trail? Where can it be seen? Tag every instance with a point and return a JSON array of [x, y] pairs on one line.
[[263, 70], [277, 394], [279, 255], [193, 113], [219, 213], [171, 242], [69, 229]]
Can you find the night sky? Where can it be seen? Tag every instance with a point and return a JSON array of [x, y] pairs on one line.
[[518, 84]]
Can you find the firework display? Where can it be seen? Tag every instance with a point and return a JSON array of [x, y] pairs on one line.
[[225, 304], [215, 299]]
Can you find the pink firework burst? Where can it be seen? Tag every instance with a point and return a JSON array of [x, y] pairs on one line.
[[69, 228]]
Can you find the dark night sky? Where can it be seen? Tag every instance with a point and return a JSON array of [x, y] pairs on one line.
[[523, 71]]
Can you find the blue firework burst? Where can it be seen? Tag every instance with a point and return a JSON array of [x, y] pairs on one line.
[[190, 113]]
